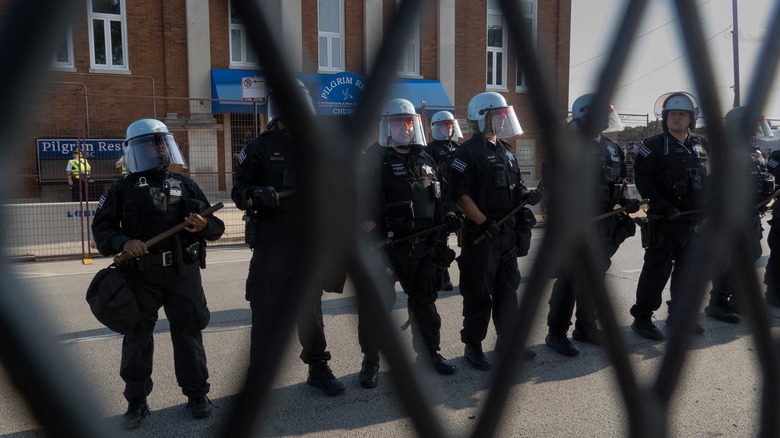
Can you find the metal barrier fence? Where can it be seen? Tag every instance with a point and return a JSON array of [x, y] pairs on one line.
[[329, 235]]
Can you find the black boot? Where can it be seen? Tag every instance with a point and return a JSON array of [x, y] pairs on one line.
[[369, 371], [525, 353], [645, 328], [561, 344], [441, 365], [322, 378], [721, 311], [473, 353], [199, 407], [137, 410], [589, 333]]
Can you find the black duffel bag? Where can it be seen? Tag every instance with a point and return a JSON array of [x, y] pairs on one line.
[[112, 301]]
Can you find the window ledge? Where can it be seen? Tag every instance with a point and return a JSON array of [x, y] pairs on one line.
[[110, 71]]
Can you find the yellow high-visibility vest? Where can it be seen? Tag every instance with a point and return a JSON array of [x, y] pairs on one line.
[[77, 167]]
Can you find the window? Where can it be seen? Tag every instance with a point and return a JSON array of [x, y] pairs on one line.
[[330, 25], [529, 24], [108, 34], [496, 47], [410, 63], [241, 52], [63, 55]]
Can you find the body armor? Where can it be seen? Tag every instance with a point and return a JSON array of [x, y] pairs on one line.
[[412, 191]]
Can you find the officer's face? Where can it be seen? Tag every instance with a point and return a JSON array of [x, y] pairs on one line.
[[401, 129], [445, 128], [678, 120]]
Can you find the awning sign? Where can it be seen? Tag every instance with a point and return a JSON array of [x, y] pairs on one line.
[[253, 89], [59, 148]]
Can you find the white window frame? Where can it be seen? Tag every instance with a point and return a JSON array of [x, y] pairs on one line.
[[107, 19], [330, 36], [246, 47], [496, 50], [410, 63], [69, 64], [533, 16]]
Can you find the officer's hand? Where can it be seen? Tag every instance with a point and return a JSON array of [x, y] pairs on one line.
[[453, 222], [672, 214], [533, 197], [489, 228], [631, 205], [195, 223], [265, 196], [135, 248]]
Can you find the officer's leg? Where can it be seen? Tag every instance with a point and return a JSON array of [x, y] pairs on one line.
[[478, 265], [652, 280], [505, 285], [185, 307], [772, 275], [138, 345], [420, 285], [311, 330], [561, 304]]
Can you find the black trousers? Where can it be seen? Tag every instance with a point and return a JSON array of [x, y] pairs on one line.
[[79, 185], [772, 274], [421, 279], [489, 279], [665, 258], [566, 291], [723, 283], [181, 296], [271, 274]]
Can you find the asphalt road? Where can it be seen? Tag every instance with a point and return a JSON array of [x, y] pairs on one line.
[[552, 396]]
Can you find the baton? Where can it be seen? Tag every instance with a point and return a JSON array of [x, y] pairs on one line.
[[500, 222], [616, 211], [391, 242], [122, 257], [766, 201]]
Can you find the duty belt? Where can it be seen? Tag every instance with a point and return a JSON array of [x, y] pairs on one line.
[[163, 258]]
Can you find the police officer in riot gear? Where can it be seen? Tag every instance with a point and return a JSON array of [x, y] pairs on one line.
[[672, 170], [486, 186], [772, 274], [446, 133], [264, 188], [411, 201], [149, 200], [722, 304], [611, 190]]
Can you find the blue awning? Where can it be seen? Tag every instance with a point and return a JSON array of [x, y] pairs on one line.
[[418, 91], [226, 86]]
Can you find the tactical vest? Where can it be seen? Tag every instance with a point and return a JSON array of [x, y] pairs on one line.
[[153, 204], [684, 171], [611, 172], [498, 180], [77, 167], [278, 166], [412, 191], [764, 181]]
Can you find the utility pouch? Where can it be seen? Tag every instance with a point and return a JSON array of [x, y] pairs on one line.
[[250, 230], [645, 231], [625, 227], [525, 222], [195, 252]]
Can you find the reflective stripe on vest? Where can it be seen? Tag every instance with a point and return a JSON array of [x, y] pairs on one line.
[[78, 167]]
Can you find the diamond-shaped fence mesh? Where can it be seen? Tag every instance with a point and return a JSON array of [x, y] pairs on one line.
[[330, 239]]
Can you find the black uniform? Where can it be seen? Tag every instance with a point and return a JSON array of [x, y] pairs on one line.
[[772, 275], [609, 191], [141, 206], [673, 175], [269, 161], [411, 201], [441, 151], [489, 276]]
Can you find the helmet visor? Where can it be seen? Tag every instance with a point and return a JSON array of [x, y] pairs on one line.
[[152, 151], [614, 124], [446, 130], [401, 130], [503, 123]]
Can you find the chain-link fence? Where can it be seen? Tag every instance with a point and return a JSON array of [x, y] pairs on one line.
[[329, 235]]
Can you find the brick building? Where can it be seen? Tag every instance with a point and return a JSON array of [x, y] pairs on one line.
[[183, 61]]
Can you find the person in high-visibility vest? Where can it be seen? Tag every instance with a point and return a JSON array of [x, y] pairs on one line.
[[78, 168], [120, 165]]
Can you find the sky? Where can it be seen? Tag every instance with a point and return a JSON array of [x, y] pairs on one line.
[[658, 62]]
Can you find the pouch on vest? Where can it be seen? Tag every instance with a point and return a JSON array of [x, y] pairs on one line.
[[523, 225], [625, 227]]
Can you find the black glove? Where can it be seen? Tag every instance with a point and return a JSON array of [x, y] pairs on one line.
[[533, 197], [489, 228], [672, 214], [631, 205], [453, 222], [266, 197]]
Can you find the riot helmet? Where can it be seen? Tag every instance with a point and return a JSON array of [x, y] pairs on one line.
[[676, 101], [400, 125], [493, 116], [274, 112], [581, 106], [150, 146], [445, 127]]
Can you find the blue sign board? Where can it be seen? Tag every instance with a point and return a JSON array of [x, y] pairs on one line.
[[337, 94], [59, 148]]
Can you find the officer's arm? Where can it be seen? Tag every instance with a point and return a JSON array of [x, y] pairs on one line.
[[773, 164], [106, 228], [644, 167], [215, 227], [68, 174], [247, 178], [469, 208]]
